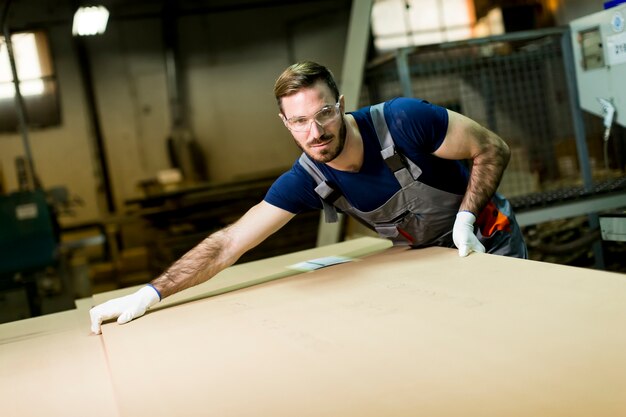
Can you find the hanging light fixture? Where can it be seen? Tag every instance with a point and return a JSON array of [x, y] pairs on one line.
[[90, 20]]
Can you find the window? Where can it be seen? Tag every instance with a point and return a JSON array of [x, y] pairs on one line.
[[38, 84], [401, 23]]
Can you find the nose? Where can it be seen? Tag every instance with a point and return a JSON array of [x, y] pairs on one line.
[[316, 129]]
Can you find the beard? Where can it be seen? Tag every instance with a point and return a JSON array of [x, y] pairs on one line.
[[328, 154]]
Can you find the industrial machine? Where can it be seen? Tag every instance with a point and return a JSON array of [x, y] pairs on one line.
[[599, 42], [600, 55], [599, 46], [28, 242]]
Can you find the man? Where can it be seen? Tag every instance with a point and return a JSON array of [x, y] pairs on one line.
[[396, 167]]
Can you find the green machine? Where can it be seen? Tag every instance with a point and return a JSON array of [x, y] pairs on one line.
[[28, 242]]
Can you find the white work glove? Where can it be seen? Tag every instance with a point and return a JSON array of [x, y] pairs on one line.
[[463, 234], [124, 308]]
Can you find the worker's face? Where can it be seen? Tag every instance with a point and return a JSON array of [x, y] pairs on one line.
[[320, 130]]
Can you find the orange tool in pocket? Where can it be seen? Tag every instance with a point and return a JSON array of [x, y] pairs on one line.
[[491, 220]]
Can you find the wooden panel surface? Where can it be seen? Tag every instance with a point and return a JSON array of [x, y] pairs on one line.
[[401, 333], [398, 333]]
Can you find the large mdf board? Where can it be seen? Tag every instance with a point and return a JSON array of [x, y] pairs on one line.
[[402, 333]]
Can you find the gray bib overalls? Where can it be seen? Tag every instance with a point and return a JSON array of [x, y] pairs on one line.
[[420, 215]]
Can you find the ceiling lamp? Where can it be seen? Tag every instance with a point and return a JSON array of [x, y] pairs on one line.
[[90, 21]]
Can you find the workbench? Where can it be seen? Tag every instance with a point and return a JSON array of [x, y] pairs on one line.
[[389, 332]]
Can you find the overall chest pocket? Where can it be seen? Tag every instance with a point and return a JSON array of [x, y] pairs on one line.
[[426, 216]]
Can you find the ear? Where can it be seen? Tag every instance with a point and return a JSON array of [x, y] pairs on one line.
[[342, 105], [282, 117]]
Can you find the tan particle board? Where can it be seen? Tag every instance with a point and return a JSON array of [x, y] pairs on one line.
[[400, 333]]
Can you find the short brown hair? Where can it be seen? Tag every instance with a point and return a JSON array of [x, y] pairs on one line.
[[303, 75]]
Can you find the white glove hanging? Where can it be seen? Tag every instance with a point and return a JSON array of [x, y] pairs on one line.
[[463, 234], [124, 308]]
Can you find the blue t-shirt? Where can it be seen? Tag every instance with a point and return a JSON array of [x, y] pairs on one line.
[[417, 127]]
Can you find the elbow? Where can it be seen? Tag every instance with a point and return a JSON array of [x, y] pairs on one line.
[[498, 150], [505, 153], [494, 151]]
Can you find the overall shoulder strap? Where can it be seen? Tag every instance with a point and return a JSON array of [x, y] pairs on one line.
[[382, 130], [404, 170], [327, 193]]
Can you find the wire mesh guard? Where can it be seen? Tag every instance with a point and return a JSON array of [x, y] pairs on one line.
[[515, 87]]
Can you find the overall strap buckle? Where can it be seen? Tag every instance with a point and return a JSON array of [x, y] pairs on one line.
[[327, 193]]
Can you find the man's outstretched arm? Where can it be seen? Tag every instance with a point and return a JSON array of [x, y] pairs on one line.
[[215, 253]]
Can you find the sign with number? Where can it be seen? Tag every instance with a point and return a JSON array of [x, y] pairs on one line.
[[616, 48]]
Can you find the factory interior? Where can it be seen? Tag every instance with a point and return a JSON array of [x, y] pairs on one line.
[[136, 143], [127, 141]]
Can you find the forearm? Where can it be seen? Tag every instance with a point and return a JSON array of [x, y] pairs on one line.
[[215, 253], [488, 165], [201, 263]]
